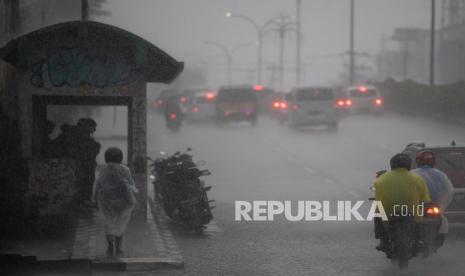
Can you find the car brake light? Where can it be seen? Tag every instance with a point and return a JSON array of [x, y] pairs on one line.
[[258, 87], [173, 116], [362, 89], [183, 99], [210, 96], [340, 103], [378, 102], [276, 104], [349, 103], [195, 109], [283, 105]]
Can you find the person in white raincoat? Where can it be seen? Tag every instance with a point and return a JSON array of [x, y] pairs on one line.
[[439, 185], [114, 191]]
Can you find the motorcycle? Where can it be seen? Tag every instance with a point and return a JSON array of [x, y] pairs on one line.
[[174, 121], [180, 190], [406, 239]]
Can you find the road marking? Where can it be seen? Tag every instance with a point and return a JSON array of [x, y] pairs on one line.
[[213, 227], [330, 181], [291, 158], [309, 170], [354, 193]]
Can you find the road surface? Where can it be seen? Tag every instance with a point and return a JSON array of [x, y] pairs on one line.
[[272, 162]]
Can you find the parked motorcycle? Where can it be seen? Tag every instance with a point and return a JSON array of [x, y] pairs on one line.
[[178, 186], [407, 239]]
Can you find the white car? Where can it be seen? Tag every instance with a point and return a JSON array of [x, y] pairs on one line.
[[364, 99], [311, 106], [201, 107]]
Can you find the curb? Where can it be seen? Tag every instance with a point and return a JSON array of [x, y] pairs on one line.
[[168, 255]]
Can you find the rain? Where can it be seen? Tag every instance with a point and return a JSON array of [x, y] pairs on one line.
[[246, 137]]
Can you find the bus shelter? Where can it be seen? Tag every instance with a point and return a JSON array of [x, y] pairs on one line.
[[83, 63]]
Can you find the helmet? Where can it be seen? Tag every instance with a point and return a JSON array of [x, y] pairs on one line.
[[426, 158], [401, 160]]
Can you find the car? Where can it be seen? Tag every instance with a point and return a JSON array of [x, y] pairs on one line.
[[187, 96], [364, 99], [165, 95], [236, 103], [278, 107], [451, 161], [201, 107], [264, 96], [311, 106]]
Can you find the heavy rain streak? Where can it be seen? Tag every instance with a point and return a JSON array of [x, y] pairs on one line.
[[246, 137]]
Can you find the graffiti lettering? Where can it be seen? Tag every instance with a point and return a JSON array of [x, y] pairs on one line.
[[75, 67]]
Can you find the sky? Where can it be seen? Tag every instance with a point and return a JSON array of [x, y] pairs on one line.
[[181, 28]]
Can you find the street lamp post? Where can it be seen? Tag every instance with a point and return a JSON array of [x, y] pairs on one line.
[[260, 29], [298, 50], [351, 51], [259, 41], [283, 25], [228, 54], [432, 42]]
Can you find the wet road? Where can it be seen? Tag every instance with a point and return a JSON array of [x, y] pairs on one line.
[[271, 162]]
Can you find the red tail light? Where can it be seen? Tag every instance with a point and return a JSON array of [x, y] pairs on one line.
[[348, 103], [433, 211], [195, 109], [379, 102], [276, 104], [183, 100], [283, 105], [173, 116], [258, 87], [210, 96], [340, 103]]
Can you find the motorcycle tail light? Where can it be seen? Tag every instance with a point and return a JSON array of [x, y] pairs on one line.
[[378, 102], [433, 211]]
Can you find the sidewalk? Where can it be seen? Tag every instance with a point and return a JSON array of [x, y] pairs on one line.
[[148, 245]]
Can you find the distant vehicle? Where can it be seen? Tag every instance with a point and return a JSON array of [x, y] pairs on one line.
[[173, 115], [364, 99], [235, 104], [310, 106], [164, 97], [279, 107], [187, 96], [202, 107], [450, 160], [264, 96]]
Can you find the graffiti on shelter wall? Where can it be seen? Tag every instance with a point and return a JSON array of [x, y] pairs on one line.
[[74, 67]]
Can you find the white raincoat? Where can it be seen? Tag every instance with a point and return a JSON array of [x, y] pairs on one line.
[[114, 191], [440, 189]]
